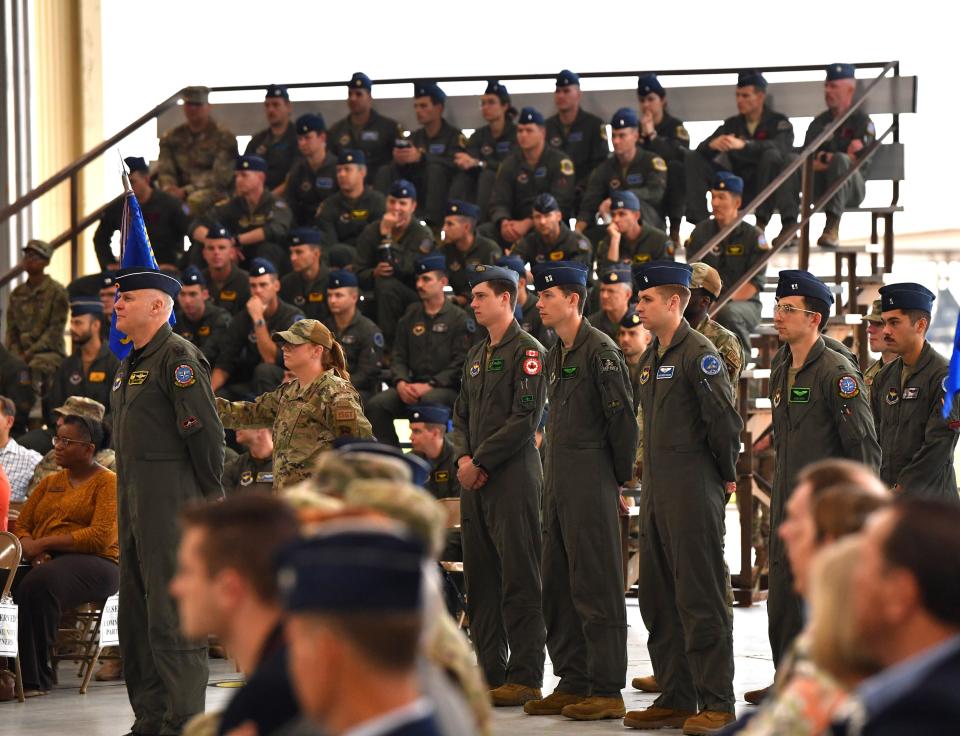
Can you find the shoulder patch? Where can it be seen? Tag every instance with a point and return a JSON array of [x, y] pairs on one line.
[[471, 325], [378, 339], [659, 164], [710, 364], [566, 167], [682, 134], [608, 365], [644, 375], [847, 387], [762, 243], [184, 376], [532, 366]]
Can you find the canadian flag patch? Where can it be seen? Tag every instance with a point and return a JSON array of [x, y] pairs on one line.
[[532, 366]]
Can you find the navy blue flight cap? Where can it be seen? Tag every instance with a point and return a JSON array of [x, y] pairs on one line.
[[459, 208], [624, 118], [545, 204], [559, 273], [617, 273], [625, 200], [216, 231], [136, 163], [431, 262], [359, 569], [139, 277], [630, 320], [662, 273], [481, 273], [312, 121], [193, 276], [419, 468], [108, 279], [429, 89], [495, 88], [752, 78], [649, 83], [306, 236], [726, 181], [351, 156], [87, 305], [403, 189], [840, 71], [531, 116], [261, 267], [906, 296], [342, 279], [251, 163], [803, 283], [359, 80], [566, 78], [277, 90], [430, 414], [515, 264]]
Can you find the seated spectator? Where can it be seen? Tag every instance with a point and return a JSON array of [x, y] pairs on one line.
[[364, 129], [225, 586], [756, 145], [426, 158], [837, 155], [531, 170], [630, 239], [431, 344], [550, 239], [198, 320], [229, 287], [68, 531], [529, 317], [258, 221], [386, 256], [18, 462], [733, 257], [487, 148], [251, 472], [631, 169], [313, 175], [633, 339], [428, 438], [464, 248], [345, 213], [277, 144], [361, 339], [250, 362], [305, 286], [16, 384], [37, 315], [616, 292], [665, 135]]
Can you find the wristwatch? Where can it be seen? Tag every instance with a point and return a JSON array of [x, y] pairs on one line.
[[259, 323]]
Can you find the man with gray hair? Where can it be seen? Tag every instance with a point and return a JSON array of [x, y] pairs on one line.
[[169, 450]]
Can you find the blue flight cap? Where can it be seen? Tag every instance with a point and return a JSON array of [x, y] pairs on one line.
[[431, 262], [495, 88], [803, 283], [216, 231], [429, 89], [906, 296], [136, 163], [193, 276], [649, 83], [459, 208], [625, 200], [515, 264], [351, 156], [545, 204], [430, 414], [139, 277], [481, 273], [662, 273], [726, 181], [624, 118], [359, 569], [419, 468], [403, 189], [531, 116], [86, 305], [359, 80], [630, 320], [617, 273], [840, 71], [306, 236], [108, 279], [752, 78], [277, 90], [559, 273], [261, 267], [312, 121], [342, 279], [566, 78], [251, 163]]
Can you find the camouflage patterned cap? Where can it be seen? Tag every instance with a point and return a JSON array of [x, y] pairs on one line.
[[707, 278], [81, 406], [195, 95], [874, 314], [414, 507], [40, 248], [304, 331]]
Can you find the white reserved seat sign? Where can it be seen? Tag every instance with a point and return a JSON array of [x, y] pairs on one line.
[[8, 628], [109, 636]]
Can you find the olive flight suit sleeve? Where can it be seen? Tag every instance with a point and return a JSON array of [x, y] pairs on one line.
[[654, 181], [501, 200], [448, 376], [367, 370], [187, 384], [366, 257], [257, 414], [460, 436], [281, 219], [326, 221], [704, 147], [854, 418], [564, 187], [721, 420], [594, 193], [232, 343], [620, 410], [938, 440], [400, 364]]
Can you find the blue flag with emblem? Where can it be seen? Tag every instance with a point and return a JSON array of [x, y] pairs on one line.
[[135, 250], [951, 383]]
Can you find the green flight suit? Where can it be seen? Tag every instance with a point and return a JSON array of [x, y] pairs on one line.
[[207, 332], [271, 214], [343, 219], [233, 293], [645, 175], [460, 265], [569, 246], [245, 475], [280, 152], [308, 188], [362, 343], [652, 245], [375, 139], [518, 183]]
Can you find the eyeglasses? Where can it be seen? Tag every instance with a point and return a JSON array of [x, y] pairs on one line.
[[788, 309], [66, 441]]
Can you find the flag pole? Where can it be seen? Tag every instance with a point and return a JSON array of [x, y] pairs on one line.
[[127, 189]]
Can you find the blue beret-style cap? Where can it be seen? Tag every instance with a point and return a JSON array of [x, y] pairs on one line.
[[530, 116], [431, 262], [515, 264], [312, 121], [136, 163], [277, 90], [630, 320], [138, 277], [625, 200], [430, 413], [216, 231], [617, 273], [906, 296], [193, 276], [726, 181], [840, 71], [662, 273], [358, 569], [752, 77], [545, 203], [359, 80], [803, 283], [624, 118], [306, 236], [431, 90], [495, 88], [649, 83], [352, 156], [559, 273], [566, 77], [403, 189], [261, 267], [251, 163], [481, 273], [85, 305], [419, 468], [459, 208], [342, 279]]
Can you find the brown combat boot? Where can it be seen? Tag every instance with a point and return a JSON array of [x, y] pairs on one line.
[[512, 694], [552, 704], [831, 233], [647, 684], [596, 708], [654, 717], [707, 722], [110, 670], [755, 697]]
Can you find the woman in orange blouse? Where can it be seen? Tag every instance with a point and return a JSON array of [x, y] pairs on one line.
[[68, 530]]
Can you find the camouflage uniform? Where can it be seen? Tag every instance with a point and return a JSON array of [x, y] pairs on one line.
[[871, 373], [36, 319], [202, 163], [728, 346]]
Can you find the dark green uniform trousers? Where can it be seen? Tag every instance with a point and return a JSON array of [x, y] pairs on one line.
[[784, 606]]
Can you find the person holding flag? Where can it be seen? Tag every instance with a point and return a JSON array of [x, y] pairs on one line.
[[169, 452]]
